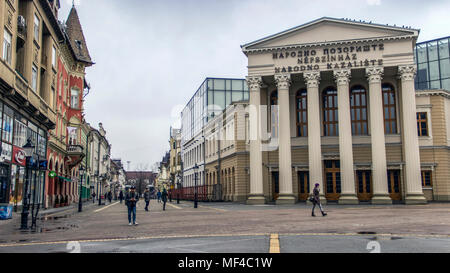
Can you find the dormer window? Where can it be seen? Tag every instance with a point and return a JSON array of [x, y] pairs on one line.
[[79, 44]]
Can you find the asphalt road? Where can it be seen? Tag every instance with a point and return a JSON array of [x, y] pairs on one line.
[[244, 244]]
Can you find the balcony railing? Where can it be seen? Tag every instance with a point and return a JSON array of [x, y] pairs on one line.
[[75, 149]]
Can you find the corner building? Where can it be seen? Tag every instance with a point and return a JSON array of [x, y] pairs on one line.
[[342, 108]]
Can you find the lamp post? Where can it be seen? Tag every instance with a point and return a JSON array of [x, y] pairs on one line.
[[99, 189], [178, 188], [195, 189], [80, 201], [28, 150]]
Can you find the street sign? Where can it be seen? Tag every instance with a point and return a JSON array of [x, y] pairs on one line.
[[52, 174]]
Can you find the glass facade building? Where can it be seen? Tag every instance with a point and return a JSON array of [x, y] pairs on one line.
[[213, 96], [433, 64]]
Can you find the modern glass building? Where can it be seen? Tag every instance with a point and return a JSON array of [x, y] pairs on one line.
[[433, 64], [213, 96]]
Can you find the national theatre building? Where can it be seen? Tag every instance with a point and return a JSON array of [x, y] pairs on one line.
[[333, 102]]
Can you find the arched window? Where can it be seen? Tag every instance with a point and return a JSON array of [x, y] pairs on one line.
[[389, 107], [330, 112], [274, 113], [302, 113], [358, 110]]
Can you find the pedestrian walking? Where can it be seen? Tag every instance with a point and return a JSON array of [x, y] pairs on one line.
[[159, 196], [131, 199], [121, 196], [147, 198], [93, 197], [164, 198], [110, 197], [315, 199]]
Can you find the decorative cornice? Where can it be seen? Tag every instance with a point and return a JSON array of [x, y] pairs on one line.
[[312, 79], [407, 72], [283, 81], [254, 83], [325, 44], [374, 74], [342, 76], [437, 92]]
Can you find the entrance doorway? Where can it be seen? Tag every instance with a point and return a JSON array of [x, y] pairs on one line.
[[303, 185], [364, 185], [4, 184], [275, 185], [333, 180], [394, 185]]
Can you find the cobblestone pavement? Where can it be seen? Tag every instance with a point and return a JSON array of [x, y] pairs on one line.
[[229, 219]]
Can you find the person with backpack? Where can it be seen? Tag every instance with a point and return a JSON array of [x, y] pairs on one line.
[[147, 198], [315, 199], [131, 199]]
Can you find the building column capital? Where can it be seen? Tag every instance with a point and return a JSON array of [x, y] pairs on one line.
[[407, 72], [342, 76], [254, 82], [374, 74], [312, 79], [283, 81]]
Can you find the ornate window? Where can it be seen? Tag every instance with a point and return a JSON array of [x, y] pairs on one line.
[[274, 112], [358, 110], [426, 179], [330, 112], [422, 125], [389, 106], [74, 98], [302, 113]]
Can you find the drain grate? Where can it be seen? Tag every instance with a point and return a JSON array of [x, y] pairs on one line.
[[367, 233]]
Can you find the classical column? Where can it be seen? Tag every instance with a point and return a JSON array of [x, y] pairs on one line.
[[256, 195], [379, 165], [348, 194], [314, 137], [285, 162], [414, 192]]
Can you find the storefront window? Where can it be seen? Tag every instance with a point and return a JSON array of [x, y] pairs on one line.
[[17, 182], [32, 134], [20, 131], [7, 127], [42, 143]]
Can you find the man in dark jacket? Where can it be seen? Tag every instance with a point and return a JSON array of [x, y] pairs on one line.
[[316, 200], [110, 197], [131, 199], [164, 198], [147, 198], [121, 196]]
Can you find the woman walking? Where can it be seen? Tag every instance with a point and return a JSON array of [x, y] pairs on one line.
[[315, 199]]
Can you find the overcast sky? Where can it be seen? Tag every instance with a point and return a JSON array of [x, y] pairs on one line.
[[151, 56]]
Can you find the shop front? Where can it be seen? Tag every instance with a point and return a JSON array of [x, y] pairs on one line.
[[16, 130]]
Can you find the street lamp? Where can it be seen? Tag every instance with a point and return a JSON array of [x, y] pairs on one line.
[[28, 150], [80, 202], [178, 188], [195, 180]]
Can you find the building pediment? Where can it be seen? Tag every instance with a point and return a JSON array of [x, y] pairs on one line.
[[329, 31]]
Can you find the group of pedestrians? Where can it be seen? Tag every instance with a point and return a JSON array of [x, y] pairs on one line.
[[131, 198]]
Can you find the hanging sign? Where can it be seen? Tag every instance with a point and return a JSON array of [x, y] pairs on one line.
[[19, 156]]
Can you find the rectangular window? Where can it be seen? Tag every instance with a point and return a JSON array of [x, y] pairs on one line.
[[37, 23], [54, 57], [74, 99], [7, 49], [426, 179], [7, 127], [34, 78], [422, 124], [20, 132]]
